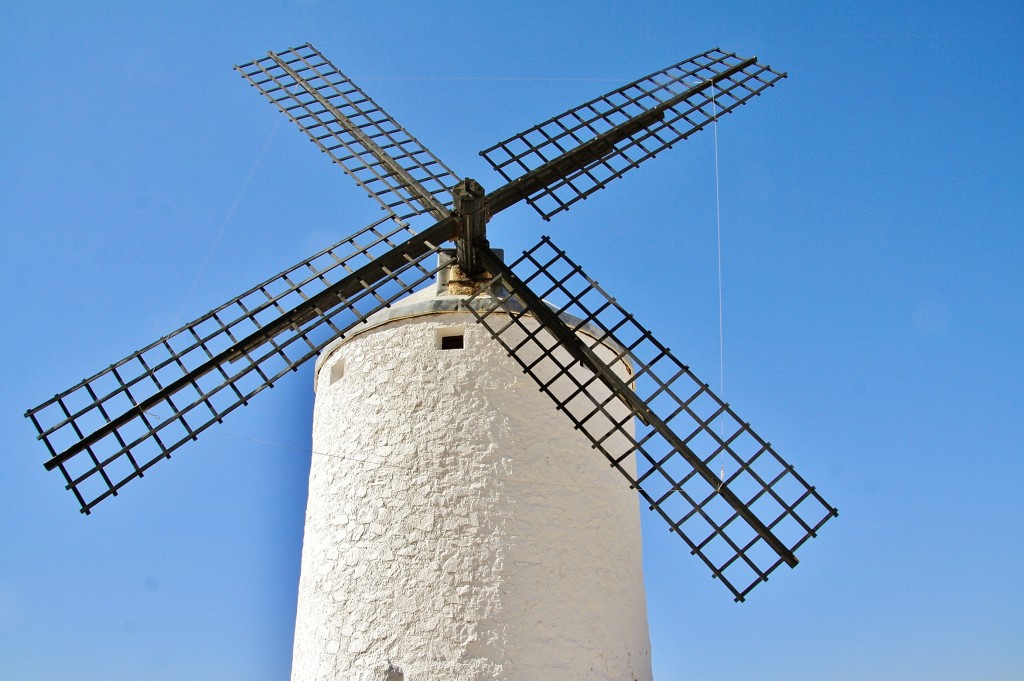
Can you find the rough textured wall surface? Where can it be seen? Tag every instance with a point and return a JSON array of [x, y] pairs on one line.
[[457, 527]]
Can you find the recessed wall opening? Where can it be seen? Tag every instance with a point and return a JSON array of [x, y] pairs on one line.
[[450, 339], [337, 370], [452, 342]]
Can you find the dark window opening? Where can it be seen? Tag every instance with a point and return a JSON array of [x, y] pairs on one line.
[[452, 342]]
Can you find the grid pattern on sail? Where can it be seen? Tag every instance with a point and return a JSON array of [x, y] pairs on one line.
[[691, 417], [115, 425], [392, 166], [546, 141]]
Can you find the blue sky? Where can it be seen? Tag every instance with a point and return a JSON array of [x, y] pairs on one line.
[[872, 214]]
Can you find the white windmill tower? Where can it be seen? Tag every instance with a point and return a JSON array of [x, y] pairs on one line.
[[459, 525]]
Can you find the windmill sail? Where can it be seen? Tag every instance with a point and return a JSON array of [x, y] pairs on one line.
[[744, 524], [392, 166], [688, 96], [112, 427]]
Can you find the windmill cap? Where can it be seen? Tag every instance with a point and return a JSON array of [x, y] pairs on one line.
[[430, 301]]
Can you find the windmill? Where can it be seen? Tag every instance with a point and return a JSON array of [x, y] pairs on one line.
[[602, 374]]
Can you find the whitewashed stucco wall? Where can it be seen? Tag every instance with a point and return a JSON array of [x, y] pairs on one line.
[[457, 527]]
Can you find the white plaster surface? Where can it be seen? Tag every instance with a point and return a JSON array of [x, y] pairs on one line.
[[457, 527]]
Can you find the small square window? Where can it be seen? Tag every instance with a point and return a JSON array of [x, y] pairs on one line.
[[452, 338], [452, 342], [337, 371]]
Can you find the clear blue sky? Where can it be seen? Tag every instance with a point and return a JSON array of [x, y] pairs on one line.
[[872, 214]]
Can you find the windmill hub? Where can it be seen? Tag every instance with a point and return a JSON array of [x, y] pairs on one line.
[[471, 207]]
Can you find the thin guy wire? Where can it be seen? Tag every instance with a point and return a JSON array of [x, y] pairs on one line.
[[224, 224], [718, 229]]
